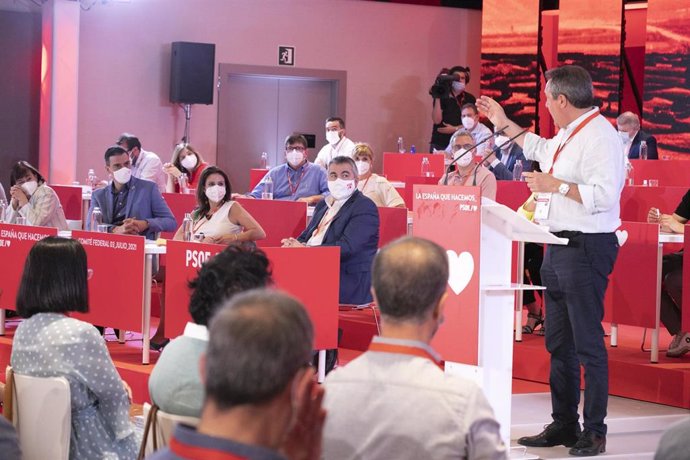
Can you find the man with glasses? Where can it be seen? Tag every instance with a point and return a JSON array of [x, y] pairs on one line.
[[130, 206], [297, 179], [467, 172], [145, 165], [338, 144]]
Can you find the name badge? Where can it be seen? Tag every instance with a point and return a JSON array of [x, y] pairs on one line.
[[543, 201]]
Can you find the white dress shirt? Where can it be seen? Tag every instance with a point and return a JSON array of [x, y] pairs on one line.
[[593, 160], [344, 147], [149, 167]]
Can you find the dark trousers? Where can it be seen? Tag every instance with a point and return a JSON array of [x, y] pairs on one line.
[[576, 277], [534, 256], [671, 291]]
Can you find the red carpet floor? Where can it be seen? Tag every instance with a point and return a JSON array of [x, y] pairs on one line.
[[631, 373]]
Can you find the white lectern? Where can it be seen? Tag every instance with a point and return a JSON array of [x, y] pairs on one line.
[[500, 226]]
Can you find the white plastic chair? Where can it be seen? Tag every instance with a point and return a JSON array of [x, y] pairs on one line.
[[40, 410], [160, 428]]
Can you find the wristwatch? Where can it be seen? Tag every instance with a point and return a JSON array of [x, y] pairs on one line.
[[564, 188]]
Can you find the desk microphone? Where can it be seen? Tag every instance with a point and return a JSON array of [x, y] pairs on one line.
[[455, 160], [494, 151]]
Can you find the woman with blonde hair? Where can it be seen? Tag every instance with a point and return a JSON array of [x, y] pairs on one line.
[[185, 160], [373, 186]]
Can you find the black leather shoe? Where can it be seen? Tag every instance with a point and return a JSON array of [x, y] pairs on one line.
[[554, 434], [158, 346], [589, 444]]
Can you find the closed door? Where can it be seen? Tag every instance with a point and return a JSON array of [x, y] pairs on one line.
[[257, 112]]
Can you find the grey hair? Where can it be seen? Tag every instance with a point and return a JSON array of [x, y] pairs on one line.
[[258, 342], [409, 278], [628, 119], [458, 133], [573, 82], [341, 160]]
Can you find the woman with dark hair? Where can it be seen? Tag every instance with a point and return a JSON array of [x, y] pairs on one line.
[[32, 199], [185, 160], [48, 343], [218, 218], [175, 385]]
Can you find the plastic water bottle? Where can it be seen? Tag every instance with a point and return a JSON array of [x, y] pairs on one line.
[[182, 181], [3, 209], [629, 173], [517, 170], [96, 219], [426, 168], [401, 145], [264, 160], [267, 194], [643, 150], [187, 227], [413, 149]]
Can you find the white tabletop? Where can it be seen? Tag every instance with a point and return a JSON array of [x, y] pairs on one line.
[[670, 237]]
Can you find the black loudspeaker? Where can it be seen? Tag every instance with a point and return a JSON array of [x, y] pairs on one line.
[[191, 72]]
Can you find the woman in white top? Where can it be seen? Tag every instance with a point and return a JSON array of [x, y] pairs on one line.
[[218, 219], [373, 186], [32, 199]]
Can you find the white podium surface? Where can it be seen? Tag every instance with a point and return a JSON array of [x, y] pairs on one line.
[[500, 227]]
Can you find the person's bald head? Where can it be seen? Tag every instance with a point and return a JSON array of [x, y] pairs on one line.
[[409, 278]]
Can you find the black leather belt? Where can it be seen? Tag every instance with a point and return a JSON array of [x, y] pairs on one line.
[[567, 234]]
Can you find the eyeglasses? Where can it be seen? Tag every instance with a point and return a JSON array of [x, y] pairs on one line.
[[299, 148], [463, 146]]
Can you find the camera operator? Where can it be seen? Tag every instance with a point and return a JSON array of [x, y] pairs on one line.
[[449, 95]]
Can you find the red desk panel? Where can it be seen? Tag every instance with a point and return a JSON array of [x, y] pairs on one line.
[[397, 166], [179, 204], [636, 201], [279, 219], [669, 173], [15, 243], [411, 181], [392, 224], [71, 199], [116, 287], [255, 176], [309, 274]]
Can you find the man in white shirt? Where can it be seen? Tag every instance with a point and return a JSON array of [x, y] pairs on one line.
[[395, 401], [579, 199], [471, 123], [145, 165], [338, 144]]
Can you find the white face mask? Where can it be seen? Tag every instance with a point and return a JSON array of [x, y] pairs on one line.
[[30, 187], [464, 160], [341, 188], [215, 193], [189, 162], [468, 123], [363, 167], [122, 175], [332, 137], [458, 86], [295, 157], [625, 137], [500, 140]]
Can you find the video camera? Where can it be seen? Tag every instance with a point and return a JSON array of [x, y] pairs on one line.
[[444, 81]]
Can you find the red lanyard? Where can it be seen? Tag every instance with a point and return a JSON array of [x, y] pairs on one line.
[[404, 350], [323, 224], [575, 131], [191, 452], [293, 189]]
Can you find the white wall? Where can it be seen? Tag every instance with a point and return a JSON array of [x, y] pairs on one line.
[[391, 53]]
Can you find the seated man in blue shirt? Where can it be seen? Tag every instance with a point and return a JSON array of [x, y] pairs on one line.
[[504, 162], [297, 179], [129, 205], [261, 400]]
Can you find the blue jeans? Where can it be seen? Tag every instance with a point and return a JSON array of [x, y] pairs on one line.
[[576, 277]]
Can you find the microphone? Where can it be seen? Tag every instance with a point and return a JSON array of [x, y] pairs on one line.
[[494, 151], [455, 160]]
